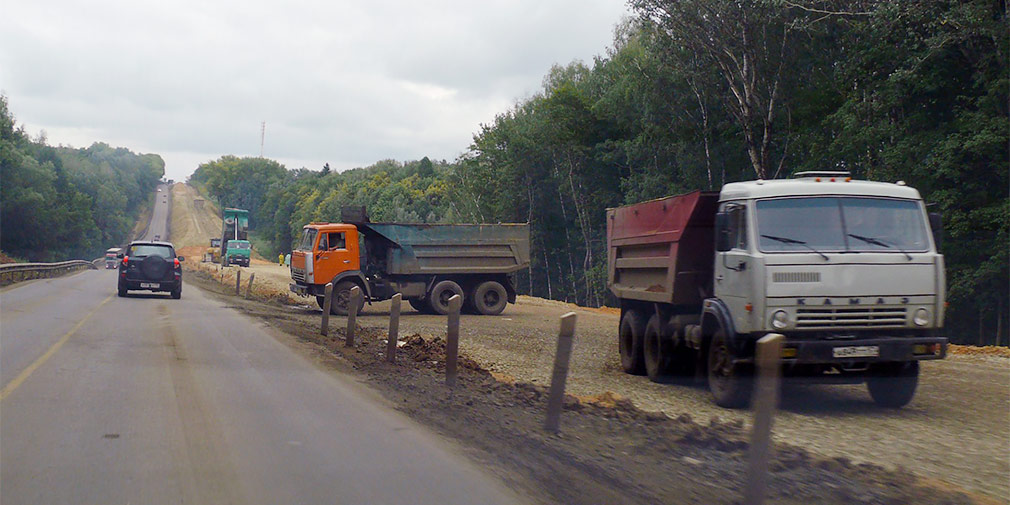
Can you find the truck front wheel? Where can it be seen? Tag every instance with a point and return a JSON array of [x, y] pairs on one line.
[[440, 295], [630, 342], [892, 385], [339, 305], [730, 383], [490, 298]]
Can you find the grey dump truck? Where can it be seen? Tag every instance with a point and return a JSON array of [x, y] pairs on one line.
[[426, 263], [846, 270]]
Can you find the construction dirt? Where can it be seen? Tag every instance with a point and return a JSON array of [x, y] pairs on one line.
[[609, 451], [628, 440]]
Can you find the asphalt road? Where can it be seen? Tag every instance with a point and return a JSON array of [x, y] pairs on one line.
[[147, 399]]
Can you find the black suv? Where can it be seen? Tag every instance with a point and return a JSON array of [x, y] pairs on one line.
[[150, 266]]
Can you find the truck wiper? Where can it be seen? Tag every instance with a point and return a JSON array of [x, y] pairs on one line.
[[786, 240], [881, 243]]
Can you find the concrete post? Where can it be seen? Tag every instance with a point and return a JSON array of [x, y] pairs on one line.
[[352, 315], [563, 354], [327, 300], [452, 340], [248, 289], [238, 282], [769, 350], [394, 328]]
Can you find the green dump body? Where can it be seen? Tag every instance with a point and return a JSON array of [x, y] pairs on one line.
[[424, 249], [234, 226]]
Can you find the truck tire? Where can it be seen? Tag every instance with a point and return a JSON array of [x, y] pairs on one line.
[[342, 298], [420, 305], [630, 342], [656, 350], [730, 383], [892, 385], [438, 300], [490, 298]]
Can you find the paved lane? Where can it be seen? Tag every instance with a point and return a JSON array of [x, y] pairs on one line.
[[154, 400], [151, 400]]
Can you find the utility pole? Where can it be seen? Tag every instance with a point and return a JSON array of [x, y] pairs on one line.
[[263, 134]]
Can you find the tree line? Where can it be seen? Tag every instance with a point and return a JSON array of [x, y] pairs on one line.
[[59, 203], [696, 93]]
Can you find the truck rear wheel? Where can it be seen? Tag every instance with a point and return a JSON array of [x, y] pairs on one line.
[[440, 295], [656, 350], [490, 298], [892, 385], [730, 383], [630, 341]]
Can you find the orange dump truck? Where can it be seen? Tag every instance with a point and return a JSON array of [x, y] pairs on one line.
[[426, 263]]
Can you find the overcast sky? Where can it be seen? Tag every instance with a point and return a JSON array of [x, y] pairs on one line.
[[343, 82]]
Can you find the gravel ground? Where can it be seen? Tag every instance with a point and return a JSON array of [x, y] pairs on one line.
[[957, 429], [608, 452]]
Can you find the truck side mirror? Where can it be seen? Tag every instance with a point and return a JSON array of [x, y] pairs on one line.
[[722, 242], [936, 224]]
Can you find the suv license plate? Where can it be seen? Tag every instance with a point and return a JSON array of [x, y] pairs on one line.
[[857, 351], [152, 285]]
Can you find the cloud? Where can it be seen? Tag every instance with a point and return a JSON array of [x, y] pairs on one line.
[[343, 82]]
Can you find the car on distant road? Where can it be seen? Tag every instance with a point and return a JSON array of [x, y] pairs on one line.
[[150, 266]]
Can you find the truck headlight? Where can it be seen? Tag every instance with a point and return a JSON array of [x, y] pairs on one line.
[[921, 317], [780, 320]]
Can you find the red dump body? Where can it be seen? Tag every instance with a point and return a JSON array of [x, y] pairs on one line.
[[663, 250]]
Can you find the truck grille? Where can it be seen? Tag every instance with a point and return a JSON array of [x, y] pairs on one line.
[[298, 275], [796, 277], [862, 317]]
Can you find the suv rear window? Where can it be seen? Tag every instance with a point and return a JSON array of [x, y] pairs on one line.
[[151, 250]]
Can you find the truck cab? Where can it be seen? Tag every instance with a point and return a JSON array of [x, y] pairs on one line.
[[326, 253], [827, 256], [238, 252]]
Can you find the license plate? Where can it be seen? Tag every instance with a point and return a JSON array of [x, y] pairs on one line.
[[857, 351], [152, 285]]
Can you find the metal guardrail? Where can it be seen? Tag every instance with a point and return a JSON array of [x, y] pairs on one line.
[[18, 272]]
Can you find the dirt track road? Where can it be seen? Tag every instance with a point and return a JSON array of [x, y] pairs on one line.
[[956, 430]]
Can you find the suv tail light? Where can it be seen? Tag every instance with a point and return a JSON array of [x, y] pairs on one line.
[[176, 262], [126, 260]]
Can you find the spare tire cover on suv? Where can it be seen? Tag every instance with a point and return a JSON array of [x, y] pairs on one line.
[[154, 267]]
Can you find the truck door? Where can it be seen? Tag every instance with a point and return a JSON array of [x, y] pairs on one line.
[[337, 252], [732, 267]]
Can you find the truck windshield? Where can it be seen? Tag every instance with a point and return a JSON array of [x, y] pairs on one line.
[[239, 245], [836, 224], [308, 239]]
